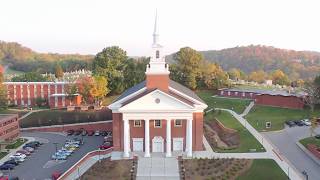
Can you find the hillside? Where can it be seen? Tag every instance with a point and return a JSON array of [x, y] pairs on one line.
[[297, 64]]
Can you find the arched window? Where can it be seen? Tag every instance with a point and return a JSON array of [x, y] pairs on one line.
[[157, 54]]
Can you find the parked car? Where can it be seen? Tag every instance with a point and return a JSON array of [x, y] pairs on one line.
[[25, 152], [29, 149], [12, 161], [84, 133], [6, 167], [18, 155], [70, 132], [317, 136], [290, 123], [109, 133], [97, 133], [103, 133], [90, 133], [59, 157], [299, 123], [306, 122], [55, 175], [104, 146], [78, 132]]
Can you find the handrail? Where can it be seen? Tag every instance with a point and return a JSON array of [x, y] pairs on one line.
[[83, 159]]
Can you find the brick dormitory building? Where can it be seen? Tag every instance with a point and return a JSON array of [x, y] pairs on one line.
[[9, 129]]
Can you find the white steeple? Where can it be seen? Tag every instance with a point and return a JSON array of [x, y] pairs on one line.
[[157, 64]]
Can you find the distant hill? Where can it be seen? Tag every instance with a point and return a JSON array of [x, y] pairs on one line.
[[297, 64]]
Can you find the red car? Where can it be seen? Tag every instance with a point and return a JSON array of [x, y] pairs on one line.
[[105, 146], [27, 153], [55, 175], [90, 133]]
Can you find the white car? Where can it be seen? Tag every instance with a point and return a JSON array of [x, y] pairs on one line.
[[97, 133], [306, 122], [18, 155]]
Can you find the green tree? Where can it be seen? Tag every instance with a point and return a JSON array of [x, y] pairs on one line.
[[3, 92], [58, 71], [188, 63], [30, 77], [279, 77], [316, 81], [234, 74], [110, 62]]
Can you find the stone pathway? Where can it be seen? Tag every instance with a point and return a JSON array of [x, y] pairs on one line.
[[158, 168]]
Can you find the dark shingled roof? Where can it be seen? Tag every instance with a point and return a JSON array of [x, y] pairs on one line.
[[131, 90], [172, 84], [184, 90]]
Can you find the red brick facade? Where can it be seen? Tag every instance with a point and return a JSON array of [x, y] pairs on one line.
[[9, 127], [158, 82]]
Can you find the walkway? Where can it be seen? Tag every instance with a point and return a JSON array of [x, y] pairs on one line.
[[158, 168], [248, 109], [271, 152]]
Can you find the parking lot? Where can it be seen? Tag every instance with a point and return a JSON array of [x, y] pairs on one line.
[[285, 140], [39, 165]]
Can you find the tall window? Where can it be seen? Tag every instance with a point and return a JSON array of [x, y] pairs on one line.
[[157, 54], [137, 123], [178, 122], [157, 123]]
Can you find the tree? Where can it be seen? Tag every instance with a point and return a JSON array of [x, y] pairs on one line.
[[85, 86], [312, 95], [279, 77], [110, 62], [1, 74], [314, 125], [58, 72], [258, 76], [3, 92], [316, 81], [99, 89], [30, 77], [234, 74], [188, 63]]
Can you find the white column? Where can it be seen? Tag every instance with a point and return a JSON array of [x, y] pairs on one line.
[[126, 138], [189, 138], [146, 138], [168, 138]]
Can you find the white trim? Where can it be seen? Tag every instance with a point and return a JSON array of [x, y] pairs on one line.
[[186, 96], [158, 115], [15, 83], [117, 104]]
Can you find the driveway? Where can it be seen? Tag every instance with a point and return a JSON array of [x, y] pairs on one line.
[[285, 141], [39, 165]]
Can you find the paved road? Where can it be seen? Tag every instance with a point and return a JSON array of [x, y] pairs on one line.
[[286, 140], [36, 167]]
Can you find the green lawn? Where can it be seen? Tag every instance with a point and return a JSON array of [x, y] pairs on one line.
[[59, 117], [259, 115], [3, 154], [238, 105], [310, 140], [16, 144], [264, 169], [247, 140]]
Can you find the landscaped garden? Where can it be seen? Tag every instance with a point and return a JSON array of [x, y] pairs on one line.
[[310, 140], [106, 169], [238, 105], [263, 169], [60, 117], [230, 169], [259, 115], [3, 154], [16, 144], [241, 140]]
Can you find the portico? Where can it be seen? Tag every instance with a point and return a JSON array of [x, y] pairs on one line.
[[158, 142]]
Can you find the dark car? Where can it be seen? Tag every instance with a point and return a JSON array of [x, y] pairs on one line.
[[12, 161], [30, 145], [13, 178], [290, 123], [317, 136], [90, 133], [103, 133], [299, 123], [78, 132], [70, 132], [7, 167]]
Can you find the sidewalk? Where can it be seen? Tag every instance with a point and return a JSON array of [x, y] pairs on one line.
[[284, 164]]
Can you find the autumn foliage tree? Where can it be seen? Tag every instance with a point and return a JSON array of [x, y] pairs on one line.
[[258, 76], [3, 91], [99, 88], [279, 77], [58, 72]]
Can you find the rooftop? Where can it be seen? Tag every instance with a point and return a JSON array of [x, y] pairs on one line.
[[268, 92]]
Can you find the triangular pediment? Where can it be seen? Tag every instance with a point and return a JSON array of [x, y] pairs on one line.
[[157, 101]]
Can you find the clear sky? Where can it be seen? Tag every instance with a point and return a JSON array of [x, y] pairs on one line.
[[87, 26]]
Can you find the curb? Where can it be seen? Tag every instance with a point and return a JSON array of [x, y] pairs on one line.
[[305, 150]]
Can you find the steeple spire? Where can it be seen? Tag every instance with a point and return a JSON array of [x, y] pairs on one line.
[[156, 30]]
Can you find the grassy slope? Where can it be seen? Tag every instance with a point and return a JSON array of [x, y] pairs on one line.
[[310, 140], [247, 140], [263, 169], [259, 115], [238, 105]]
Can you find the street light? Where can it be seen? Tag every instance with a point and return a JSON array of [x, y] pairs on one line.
[[306, 174]]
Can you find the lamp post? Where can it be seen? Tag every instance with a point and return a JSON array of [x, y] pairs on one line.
[[305, 174]]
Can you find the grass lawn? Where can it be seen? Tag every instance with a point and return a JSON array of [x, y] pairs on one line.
[[263, 169], [16, 144], [310, 140], [238, 105], [259, 115], [247, 140], [59, 117], [3, 154], [107, 169]]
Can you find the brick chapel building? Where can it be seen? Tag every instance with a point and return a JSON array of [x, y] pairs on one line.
[[158, 114]]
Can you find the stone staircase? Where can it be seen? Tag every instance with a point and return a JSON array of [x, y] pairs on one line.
[[158, 168]]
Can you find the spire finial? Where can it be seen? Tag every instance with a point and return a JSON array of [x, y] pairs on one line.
[[156, 31]]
